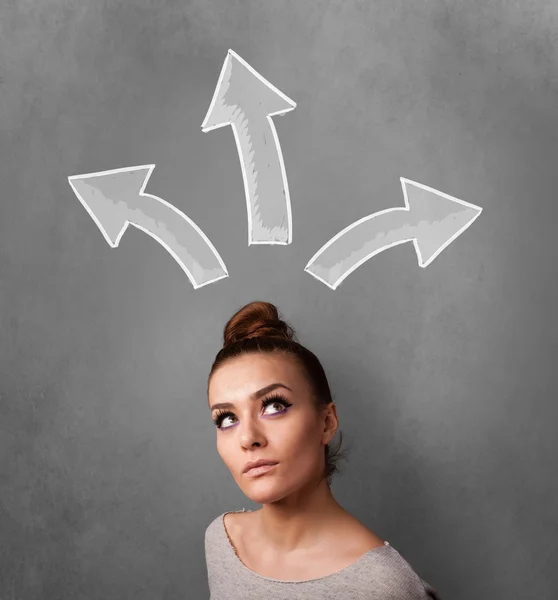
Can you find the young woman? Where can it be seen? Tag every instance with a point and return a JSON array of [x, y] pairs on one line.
[[271, 403]]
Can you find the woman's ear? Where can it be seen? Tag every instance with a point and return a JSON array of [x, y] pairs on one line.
[[331, 423]]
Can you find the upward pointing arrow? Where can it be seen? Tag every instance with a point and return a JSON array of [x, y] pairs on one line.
[[116, 198], [247, 101]]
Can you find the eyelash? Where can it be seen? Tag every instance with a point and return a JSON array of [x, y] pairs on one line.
[[275, 399]]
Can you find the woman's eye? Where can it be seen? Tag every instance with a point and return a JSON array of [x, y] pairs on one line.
[[276, 401], [276, 404]]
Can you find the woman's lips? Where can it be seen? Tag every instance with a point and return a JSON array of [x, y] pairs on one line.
[[257, 471]]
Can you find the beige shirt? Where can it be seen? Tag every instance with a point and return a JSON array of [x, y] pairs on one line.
[[379, 574]]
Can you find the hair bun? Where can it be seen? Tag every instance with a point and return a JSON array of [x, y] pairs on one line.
[[256, 319]]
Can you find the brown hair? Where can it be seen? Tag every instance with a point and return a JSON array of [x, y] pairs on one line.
[[257, 327]]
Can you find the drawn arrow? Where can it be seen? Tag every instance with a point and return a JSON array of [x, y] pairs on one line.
[[247, 101], [430, 219], [116, 198]]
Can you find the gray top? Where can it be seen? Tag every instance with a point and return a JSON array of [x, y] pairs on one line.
[[380, 574]]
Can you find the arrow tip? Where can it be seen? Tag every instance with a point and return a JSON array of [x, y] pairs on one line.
[[441, 218], [242, 90]]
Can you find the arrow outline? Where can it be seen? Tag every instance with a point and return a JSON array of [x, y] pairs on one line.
[[127, 222], [240, 153], [404, 181]]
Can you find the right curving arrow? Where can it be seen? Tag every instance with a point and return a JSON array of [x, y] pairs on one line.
[[430, 219], [116, 198]]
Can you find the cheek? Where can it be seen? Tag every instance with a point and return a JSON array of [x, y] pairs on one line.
[[301, 446], [225, 452], [231, 452]]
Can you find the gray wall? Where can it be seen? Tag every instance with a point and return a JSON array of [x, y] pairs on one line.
[[444, 377]]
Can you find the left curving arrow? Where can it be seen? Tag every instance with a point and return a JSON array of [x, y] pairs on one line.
[[116, 198], [247, 101]]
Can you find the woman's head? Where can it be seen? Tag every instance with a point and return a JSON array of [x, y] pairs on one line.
[[292, 427]]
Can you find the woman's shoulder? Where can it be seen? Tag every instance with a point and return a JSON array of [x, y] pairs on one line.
[[230, 519], [398, 576], [212, 528]]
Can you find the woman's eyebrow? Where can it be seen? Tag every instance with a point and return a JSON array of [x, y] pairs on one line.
[[254, 395]]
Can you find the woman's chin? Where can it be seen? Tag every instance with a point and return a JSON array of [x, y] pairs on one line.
[[264, 492]]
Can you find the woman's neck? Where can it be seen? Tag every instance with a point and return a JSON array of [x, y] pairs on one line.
[[299, 523]]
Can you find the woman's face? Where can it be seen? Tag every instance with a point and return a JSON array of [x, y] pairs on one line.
[[288, 430]]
